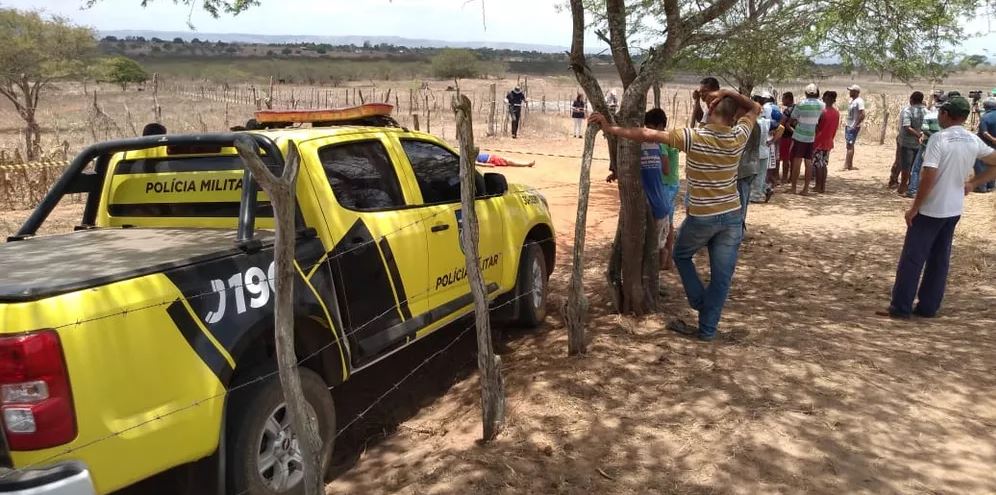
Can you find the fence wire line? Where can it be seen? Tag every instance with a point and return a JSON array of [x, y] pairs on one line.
[[318, 263], [251, 382]]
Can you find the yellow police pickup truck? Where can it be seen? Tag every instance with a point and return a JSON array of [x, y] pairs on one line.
[[142, 343]]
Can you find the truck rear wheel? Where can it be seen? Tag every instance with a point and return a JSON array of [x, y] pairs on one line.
[[531, 286], [263, 456]]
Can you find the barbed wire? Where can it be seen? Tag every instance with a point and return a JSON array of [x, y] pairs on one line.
[[253, 381], [322, 260], [551, 155]]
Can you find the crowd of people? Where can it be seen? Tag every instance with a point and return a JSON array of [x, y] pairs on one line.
[[740, 149]]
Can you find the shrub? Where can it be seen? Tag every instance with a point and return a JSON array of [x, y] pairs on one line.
[[454, 63]]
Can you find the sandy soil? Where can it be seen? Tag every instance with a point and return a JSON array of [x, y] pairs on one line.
[[810, 392]]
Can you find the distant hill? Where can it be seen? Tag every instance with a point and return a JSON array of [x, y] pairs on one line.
[[331, 40]]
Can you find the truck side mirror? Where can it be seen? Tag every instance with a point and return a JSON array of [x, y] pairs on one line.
[[495, 184]]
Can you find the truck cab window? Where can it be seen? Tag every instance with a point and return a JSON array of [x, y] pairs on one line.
[[437, 171], [362, 176]]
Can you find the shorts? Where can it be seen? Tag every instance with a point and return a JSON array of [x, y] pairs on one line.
[[671, 193], [851, 135], [821, 158], [497, 161], [906, 157], [803, 150], [785, 148]]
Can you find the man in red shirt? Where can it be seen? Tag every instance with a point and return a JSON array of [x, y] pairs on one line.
[[826, 131]]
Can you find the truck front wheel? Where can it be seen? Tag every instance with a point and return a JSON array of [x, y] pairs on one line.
[[264, 456]]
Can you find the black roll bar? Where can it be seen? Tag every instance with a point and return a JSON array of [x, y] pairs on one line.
[[247, 206]]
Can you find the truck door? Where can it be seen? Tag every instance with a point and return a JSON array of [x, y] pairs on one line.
[[376, 243], [437, 172]]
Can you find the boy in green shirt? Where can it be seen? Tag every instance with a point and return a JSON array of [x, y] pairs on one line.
[[671, 186]]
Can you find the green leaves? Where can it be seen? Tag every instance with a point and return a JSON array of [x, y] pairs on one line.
[[123, 70], [38, 49]]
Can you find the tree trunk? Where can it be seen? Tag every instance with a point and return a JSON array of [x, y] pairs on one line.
[[281, 192], [489, 365], [32, 137], [657, 94], [633, 224], [576, 307]]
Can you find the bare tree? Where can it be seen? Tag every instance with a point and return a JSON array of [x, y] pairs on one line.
[[489, 364], [34, 52]]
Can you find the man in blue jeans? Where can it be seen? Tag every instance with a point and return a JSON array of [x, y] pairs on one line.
[[931, 221], [930, 127], [714, 219], [987, 133]]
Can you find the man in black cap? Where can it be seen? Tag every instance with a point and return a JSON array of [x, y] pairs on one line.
[[948, 161], [515, 100]]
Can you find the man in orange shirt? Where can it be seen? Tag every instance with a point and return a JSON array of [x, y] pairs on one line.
[[826, 131]]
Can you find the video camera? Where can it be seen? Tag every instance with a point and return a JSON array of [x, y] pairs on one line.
[[975, 95]]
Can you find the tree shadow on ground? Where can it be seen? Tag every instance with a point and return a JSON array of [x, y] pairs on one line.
[[806, 392]]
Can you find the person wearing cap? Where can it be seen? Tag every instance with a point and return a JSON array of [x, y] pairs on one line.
[[910, 133], [805, 118], [826, 131], [931, 220], [770, 125], [987, 132], [612, 101], [515, 99], [930, 127], [855, 117]]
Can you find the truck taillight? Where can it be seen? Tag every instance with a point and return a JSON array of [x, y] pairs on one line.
[[35, 396]]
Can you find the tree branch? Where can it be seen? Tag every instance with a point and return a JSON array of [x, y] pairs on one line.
[[615, 11]]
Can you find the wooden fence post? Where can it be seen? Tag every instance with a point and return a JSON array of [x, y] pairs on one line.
[[157, 111], [576, 307], [489, 365], [885, 119], [302, 417], [493, 105]]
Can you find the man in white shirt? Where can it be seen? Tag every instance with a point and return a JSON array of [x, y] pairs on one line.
[[939, 202], [855, 117]]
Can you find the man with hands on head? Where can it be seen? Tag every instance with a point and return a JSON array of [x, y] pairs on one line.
[[714, 220]]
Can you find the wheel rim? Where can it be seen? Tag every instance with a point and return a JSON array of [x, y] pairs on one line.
[[279, 460], [538, 284]]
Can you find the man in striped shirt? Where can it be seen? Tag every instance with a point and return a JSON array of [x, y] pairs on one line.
[[804, 121], [714, 220]]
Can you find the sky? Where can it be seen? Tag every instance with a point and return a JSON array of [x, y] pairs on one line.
[[524, 21]]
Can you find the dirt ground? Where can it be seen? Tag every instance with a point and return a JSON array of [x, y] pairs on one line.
[[813, 393], [809, 392]]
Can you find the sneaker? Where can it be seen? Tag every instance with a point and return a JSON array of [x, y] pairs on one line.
[[679, 326]]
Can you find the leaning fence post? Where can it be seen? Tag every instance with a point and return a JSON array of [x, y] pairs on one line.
[[281, 192], [489, 365], [576, 307], [885, 119]]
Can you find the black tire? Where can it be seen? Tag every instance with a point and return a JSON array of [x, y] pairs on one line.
[[248, 414], [532, 280]]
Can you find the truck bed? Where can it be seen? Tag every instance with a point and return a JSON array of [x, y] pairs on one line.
[[45, 266]]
